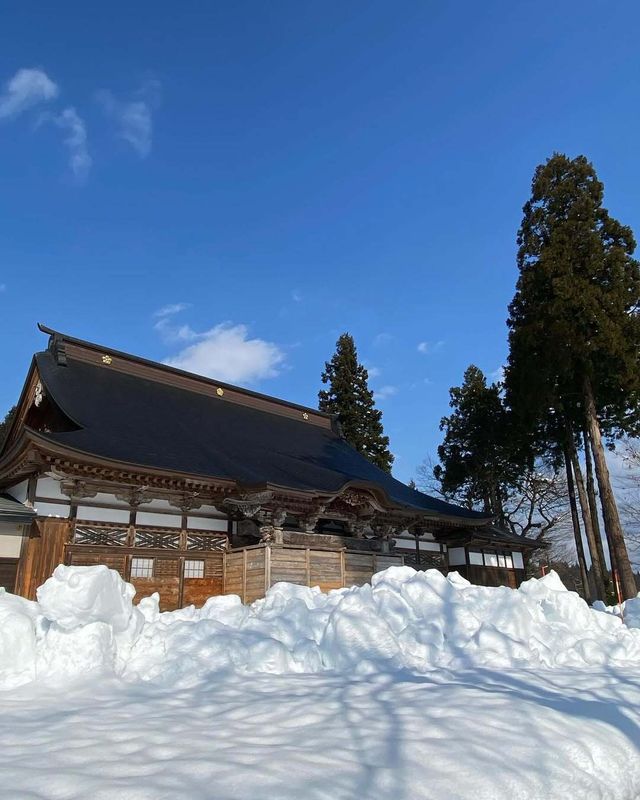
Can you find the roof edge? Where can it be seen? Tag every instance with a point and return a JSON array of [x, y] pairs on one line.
[[168, 370]]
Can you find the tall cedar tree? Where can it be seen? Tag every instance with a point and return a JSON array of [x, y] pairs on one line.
[[350, 398], [574, 328], [475, 461], [6, 424]]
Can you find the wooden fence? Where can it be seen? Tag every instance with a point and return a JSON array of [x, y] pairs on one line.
[[250, 571]]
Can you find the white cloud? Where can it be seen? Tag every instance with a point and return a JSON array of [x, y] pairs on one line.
[[385, 391], [133, 117], [426, 348], [27, 88], [374, 372], [171, 309], [381, 339], [224, 352], [296, 296], [227, 353], [75, 139]]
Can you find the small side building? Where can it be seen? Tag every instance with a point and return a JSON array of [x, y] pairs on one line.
[[192, 487]]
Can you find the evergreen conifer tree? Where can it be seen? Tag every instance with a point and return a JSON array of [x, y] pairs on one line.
[[476, 462], [348, 397], [574, 325], [6, 424]]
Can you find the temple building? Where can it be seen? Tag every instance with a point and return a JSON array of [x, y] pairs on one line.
[[190, 487]]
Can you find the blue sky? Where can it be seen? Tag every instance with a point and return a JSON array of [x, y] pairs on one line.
[[229, 186]]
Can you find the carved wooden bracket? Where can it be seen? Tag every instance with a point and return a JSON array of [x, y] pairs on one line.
[[76, 489], [309, 521], [188, 501], [134, 496], [248, 505]]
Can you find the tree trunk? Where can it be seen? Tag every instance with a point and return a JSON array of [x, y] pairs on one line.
[[593, 508], [596, 564], [582, 564], [610, 514]]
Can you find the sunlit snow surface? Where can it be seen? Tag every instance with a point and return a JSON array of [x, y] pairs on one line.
[[420, 687]]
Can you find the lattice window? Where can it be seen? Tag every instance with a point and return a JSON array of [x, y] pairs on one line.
[[205, 541], [142, 568], [161, 540], [428, 560], [103, 536], [194, 569]]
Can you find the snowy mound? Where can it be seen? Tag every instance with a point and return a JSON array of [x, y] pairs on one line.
[[85, 623]]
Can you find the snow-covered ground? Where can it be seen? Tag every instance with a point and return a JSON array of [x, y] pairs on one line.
[[416, 687]]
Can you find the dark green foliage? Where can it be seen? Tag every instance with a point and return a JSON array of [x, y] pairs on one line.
[[575, 311], [574, 329], [477, 464], [6, 424], [348, 397]]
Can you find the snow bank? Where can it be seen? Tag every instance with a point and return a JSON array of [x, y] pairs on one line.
[[84, 622], [629, 611]]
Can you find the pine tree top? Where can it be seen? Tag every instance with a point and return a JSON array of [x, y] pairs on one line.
[[349, 398], [575, 310]]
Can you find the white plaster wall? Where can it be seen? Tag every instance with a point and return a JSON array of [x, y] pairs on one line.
[[95, 514], [159, 505], [107, 499], [19, 491], [52, 510], [49, 487], [410, 544], [457, 556], [161, 520], [209, 511], [10, 540], [207, 524]]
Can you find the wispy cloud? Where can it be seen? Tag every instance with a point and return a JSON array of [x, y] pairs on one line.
[[385, 392], [170, 310], [26, 89], [497, 376], [75, 140], [133, 117], [225, 352], [296, 296], [374, 372], [382, 338], [427, 348]]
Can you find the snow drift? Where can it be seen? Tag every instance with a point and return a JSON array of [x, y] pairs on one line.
[[85, 622]]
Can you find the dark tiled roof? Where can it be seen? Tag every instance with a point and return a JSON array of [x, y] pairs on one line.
[[498, 536], [139, 421], [13, 511]]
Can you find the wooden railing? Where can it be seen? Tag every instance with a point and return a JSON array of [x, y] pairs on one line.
[[146, 538]]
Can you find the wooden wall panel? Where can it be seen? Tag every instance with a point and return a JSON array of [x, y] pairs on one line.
[[115, 561], [325, 569], [358, 568], [289, 565], [167, 588], [382, 562], [42, 551], [254, 586], [233, 574], [196, 591], [25, 582], [8, 573]]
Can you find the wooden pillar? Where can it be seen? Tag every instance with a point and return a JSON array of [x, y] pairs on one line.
[[267, 567], [244, 575]]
